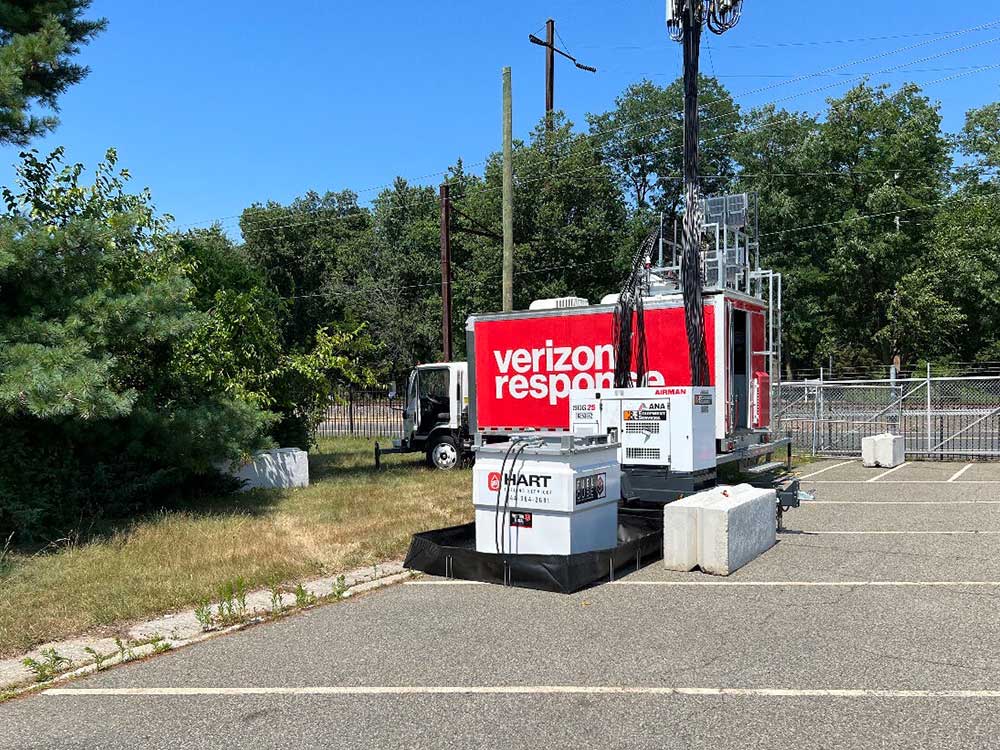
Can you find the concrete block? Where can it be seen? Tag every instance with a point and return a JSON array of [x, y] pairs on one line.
[[736, 527], [890, 450], [868, 457], [719, 530], [280, 468], [680, 534]]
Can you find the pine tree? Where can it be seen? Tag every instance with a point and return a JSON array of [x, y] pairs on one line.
[[38, 41]]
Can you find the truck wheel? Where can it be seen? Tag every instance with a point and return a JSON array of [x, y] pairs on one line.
[[443, 453]]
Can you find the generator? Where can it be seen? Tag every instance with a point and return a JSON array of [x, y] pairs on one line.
[[547, 496], [666, 436]]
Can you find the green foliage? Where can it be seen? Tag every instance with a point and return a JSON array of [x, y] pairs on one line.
[[302, 597], [99, 658], [642, 141], [204, 615], [38, 40], [844, 206], [51, 664], [100, 405], [966, 237], [570, 224]]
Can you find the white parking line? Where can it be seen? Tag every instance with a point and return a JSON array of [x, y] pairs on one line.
[[886, 533], [827, 468], [903, 502], [887, 473], [722, 584], [904, 481], [816, 584], [526, 690], [444, 582], [960, 472]]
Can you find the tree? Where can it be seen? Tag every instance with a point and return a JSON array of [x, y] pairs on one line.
[[848, 228], [642, 140], [395, 275], [240, 346], [38, 41], [569, 222], [96, 408], [966, 236]]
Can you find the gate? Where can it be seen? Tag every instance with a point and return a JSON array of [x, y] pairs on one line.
[[363, 413], [941, 418]]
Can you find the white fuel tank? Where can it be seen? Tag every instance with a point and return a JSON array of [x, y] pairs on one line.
[[546, 497]]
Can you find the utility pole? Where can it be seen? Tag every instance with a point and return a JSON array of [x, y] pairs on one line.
[[445, 196], [508, 196], [550, 67], [550, 70], [684, 21]]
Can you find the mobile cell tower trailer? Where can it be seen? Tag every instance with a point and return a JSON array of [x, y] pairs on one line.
[[523, 365], [556, 436]]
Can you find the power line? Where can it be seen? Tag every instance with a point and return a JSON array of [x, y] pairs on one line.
[[865, 217], [766, 45], [770, 121], [722, 135], [824, 71], [625, 126], [773, 120]]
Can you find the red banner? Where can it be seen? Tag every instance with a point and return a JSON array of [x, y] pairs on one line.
[[526, 367]]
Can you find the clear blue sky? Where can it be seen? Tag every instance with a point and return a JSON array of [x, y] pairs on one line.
[[216, 105]]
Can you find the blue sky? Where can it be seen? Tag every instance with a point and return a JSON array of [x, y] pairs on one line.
[[217, 105]]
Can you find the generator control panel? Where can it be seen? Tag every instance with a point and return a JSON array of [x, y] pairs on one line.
[[665, 427]]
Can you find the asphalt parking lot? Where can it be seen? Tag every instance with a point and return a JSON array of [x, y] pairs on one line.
[[873, 623]]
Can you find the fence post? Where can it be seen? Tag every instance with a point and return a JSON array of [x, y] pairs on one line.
[[929, 443], [819, 389], [350, 410]]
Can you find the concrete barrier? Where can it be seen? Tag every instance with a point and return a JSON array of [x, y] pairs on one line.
[[868, 457], [719, 530], [890, 450], [280, 468], [885, 450]]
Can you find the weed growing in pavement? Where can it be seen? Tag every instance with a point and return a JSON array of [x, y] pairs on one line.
[[233, 602], [51, 664], [302, 597], [98, 658], [277, 606], [227, 603], [339, 588], [203, 614], [160, 646], [240, 593], [125, 652]]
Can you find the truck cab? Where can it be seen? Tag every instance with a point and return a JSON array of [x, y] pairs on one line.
[[435, 414]]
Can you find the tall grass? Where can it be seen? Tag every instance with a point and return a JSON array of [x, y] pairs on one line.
[[349, 516]]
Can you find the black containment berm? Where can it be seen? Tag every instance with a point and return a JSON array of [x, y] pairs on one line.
[[451, 553]]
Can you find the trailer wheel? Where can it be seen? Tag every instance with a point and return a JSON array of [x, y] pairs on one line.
[[443, 453]]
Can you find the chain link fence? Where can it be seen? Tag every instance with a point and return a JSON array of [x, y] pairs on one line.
[[941, 418], [363, 413]]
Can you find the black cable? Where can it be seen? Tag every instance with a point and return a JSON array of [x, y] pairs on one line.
[[496, 513], [506, 499], [628, 309]]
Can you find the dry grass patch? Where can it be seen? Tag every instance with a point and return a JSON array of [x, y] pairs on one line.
[[350, 516]]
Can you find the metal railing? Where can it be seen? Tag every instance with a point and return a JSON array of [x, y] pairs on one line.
[[363, 413], [941, 418]]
